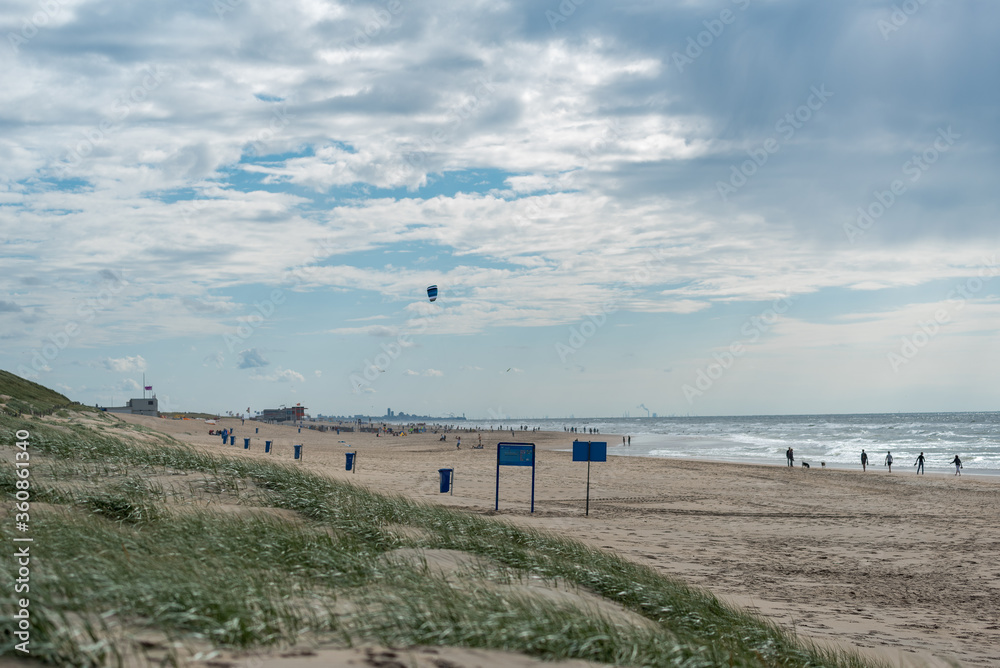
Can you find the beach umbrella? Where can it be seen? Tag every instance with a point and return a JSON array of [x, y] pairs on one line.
[[432, 292]]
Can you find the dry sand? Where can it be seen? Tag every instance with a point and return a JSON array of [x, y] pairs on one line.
[[899, 566]]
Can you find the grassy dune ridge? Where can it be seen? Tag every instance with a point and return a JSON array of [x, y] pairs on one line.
[[18, 396], [135, 531]]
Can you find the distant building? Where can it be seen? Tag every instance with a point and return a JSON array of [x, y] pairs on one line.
[[291, 414], [137, 407]]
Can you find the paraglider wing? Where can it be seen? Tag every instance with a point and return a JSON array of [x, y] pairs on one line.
[[432, 292]]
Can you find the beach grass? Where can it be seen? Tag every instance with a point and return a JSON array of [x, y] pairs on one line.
[[136, 532]]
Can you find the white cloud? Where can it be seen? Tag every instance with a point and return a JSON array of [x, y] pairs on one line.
[[281, 376], [368, 330], [129, 385], [125, 364], [216, 359], [251, 359], [429, 373]]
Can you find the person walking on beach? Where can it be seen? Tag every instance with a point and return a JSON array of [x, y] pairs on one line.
[[790, 456], [630, 440], [888, 460], [920, 464], [864, 460], [958, 465]]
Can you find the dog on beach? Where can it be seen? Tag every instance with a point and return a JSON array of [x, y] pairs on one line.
[[805, 465]]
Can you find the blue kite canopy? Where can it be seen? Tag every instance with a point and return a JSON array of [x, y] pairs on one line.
[[432, 292]]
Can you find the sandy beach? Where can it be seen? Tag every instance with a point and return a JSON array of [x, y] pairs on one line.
[[897, 565]]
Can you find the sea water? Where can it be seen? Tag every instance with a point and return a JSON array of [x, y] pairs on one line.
[[836, 440]]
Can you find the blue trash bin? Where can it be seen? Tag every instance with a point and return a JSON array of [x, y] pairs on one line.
[[349, 464], [298, 452], [232, 440], [267, 446], [246, 443], [445, 480]]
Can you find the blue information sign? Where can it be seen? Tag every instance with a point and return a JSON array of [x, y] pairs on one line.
[[516, 454], [590, 451]]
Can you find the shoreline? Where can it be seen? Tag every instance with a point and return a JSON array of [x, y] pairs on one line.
[[988, 474], [897, 566]]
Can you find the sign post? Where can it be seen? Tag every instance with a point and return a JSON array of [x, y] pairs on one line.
[[516, 454], [589, 451]]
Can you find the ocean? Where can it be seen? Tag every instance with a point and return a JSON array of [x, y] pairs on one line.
[[836, 440]]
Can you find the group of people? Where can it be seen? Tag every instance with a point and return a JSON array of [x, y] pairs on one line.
[[957, 462], [790, 458], [458, 443]]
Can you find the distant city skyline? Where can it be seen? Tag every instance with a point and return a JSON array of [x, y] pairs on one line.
[[726, 207]]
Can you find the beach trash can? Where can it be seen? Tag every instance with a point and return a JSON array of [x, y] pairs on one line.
[[256, 430], [349, 464], [267, 446], [246, 443], [298, 451], [445, 480], [232, 440]]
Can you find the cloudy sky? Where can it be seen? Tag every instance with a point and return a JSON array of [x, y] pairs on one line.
[[699, 207]]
